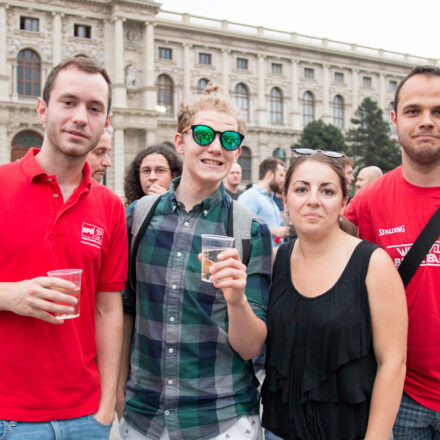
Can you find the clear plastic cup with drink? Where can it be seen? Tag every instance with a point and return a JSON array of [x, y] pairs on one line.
[[212, 246], [74, 276]]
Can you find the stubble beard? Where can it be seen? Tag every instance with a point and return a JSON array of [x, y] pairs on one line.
[[426, 158]]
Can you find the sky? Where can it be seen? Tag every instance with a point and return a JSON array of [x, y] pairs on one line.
[[396, 25]]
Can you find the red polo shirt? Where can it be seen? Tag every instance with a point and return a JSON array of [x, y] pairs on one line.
[[47, 371]]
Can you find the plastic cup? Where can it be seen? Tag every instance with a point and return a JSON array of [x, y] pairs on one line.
[[74, 276], [212, 246]]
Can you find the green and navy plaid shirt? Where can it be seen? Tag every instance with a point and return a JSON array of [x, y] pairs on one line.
[[184, 373]]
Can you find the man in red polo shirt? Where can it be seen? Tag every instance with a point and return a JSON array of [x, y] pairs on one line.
[[58, 378]]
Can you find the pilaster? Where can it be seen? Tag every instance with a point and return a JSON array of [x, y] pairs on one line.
[[149, 94], [119, 161], [57, 38], [261, 100], [119, 92]]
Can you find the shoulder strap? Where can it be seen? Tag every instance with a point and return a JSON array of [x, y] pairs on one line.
[[143, 212], [239, 227], [420, 248]]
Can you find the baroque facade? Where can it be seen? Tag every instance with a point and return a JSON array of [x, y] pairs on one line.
[[280, 80]]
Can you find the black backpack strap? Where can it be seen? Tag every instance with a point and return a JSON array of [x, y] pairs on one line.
[[420, 248], [138, 237]]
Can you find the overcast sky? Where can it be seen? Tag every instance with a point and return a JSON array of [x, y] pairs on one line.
[[397, 25]]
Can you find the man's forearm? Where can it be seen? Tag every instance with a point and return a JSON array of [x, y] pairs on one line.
[[108, 321]]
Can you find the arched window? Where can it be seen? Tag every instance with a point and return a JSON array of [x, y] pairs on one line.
[[201, 85], [23, 141], [28, 73], [276, 106], [308, 108], [245, 162], [165, 91], [338, 112], [241, 99]]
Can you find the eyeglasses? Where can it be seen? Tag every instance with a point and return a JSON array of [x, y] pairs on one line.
[[158, 171], [203, 135], [309, 151]]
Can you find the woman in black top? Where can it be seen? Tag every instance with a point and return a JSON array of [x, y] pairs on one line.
[[337, 320]]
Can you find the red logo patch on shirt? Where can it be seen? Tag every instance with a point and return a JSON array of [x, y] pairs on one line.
[[92, 235]]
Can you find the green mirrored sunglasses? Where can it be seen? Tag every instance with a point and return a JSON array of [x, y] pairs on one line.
[[203, 135]]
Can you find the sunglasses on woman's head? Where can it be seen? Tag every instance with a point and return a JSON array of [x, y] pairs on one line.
[[309, 151], [203, 135]]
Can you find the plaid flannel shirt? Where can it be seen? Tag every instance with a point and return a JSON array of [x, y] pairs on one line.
[[184, 373]]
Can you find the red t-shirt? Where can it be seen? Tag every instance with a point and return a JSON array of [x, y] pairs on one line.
[[392, 212], [47, 371]]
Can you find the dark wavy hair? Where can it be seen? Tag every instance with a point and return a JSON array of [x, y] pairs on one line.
[[338, 167], [132, 186]]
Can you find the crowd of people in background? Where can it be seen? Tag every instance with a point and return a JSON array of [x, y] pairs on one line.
[[308, 307]]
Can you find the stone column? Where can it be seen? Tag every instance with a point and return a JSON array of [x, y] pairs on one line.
[[119, 92], [382, 104], [5, 156], [149, 94], [4, 78], [14, 80], [296, 108], [150, 136], [355, 88], [57, 38], [225, 71], [108, 48], [261, 97], [325, 95], [119, 161], [186, 63]]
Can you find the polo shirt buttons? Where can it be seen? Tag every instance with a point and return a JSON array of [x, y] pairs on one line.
[[49, 179], [55, 195]]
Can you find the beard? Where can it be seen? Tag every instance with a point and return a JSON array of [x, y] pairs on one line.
[[274, 187], [424, 156]]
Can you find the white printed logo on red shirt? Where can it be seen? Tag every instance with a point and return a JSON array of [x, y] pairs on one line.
[[92, 235], [432, 257]]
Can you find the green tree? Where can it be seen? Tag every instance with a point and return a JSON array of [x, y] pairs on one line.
[[320, 136], [369, 141]]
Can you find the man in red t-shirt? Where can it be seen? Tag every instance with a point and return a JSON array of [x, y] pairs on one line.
[[59, 377], [392, 211]]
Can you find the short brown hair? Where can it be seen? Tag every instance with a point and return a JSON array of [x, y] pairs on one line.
[[81, 62], [269, 164], [418, 70], [211, 99]]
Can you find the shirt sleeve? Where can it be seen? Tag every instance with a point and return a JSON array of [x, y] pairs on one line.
[[259, 269], [129, 295], [113, 273]]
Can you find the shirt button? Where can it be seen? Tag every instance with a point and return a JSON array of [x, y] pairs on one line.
[[170, 350], [172, 318], [56, 195], [170, 382], [186, 224], [167, 413], [179, 254], [174, 287], [205, 212], [49, 179]]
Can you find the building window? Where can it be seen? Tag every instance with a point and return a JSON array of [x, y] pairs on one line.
[[308, 108], [308, 73], [28, 73], [204, 58], [393, 86], [22, 142], [29, 24], [277, 68], [241, 99], [242, 63], [339, 77], [366, 82], [165, 91], [201, 85], [276, 106], [165, 53], [82, 31], [245, 162], [338, 111]]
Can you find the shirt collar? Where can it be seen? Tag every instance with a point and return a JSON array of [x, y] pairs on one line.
[[205, 205], [33, 172], [261, 190]]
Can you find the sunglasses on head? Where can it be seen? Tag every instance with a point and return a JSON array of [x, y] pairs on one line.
[[309, 151], [203, 135]]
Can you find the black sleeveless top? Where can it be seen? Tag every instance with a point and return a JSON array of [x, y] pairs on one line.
[[320, 364]]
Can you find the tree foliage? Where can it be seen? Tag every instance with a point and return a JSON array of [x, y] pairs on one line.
[[369, 141], [320, 136]]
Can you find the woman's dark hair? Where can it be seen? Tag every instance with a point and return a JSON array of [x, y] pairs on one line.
[[132, 185], [337, 165]]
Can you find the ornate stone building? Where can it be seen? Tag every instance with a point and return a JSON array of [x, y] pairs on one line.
[[156, 59]]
